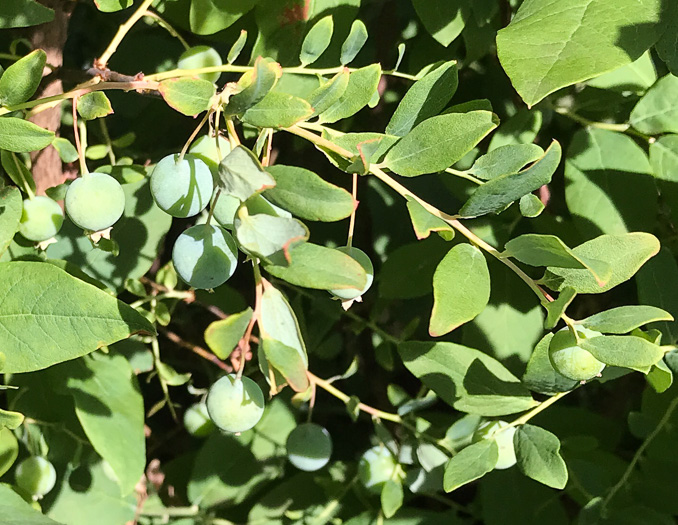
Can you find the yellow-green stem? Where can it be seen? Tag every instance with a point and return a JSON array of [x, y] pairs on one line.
[[122, 32]]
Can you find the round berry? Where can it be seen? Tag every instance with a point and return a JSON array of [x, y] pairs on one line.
[[41, 219], [504, 440], [235, 404], [198, 57], [205, 256], [95, 201], [183, 187], [205, 148], [376, 466], [36, 476], [348, 294], [309, 447], [197, 421], [571, 360]]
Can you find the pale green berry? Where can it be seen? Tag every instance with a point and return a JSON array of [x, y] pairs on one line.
[[41, 219], [571, 360], [309, 447], [95, 201], [235, 404]]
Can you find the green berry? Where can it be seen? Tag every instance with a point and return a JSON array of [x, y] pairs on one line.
[[95, 201], [198, 57], [309, 447], [235, 405], [197, 421], [205, 148], [36, 476], [376, 466], [348, 294], [183, 187], [41, 219], [571, 360], [504, 440], [205, 256]]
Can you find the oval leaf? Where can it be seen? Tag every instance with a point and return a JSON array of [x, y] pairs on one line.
[[189, 96], [21, 80], [461, 289], [627, 351], [306, 195], [538, 456], [223, 336], [354, 42], [39, 299], [316, 41], [470, 463], [439, 142], [362, 84], [22, 136], [10, 214], [623, 319], [278, 110], [268, 237]]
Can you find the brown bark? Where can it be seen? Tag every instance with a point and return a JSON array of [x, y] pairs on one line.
[[51, 37]]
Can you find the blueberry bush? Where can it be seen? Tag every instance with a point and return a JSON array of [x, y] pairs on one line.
[[338, 261]]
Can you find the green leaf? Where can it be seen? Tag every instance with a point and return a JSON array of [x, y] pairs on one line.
[[367, 148], [391, 497], [189, 96], [306, 195], [660, 377], [354, 42], [637, 76], [627, 351], [20, 81], [211, 16], [587, 38], [329, 93], [461, 289], [424, 222], [22, 513], [16, 169], [557, 308], [316, 40], [666, 46], [110, 408], [9, 449], [624, 319], [362, 84], [624, 253], [10, 214], [531, 206], [282, 341], [495, 195], [224, 335], [268, 237], [521, 128], [94, 105], [21, 136], [505, 160], [538, 455], [277, 110], [656, 282], [609, 187], [314, 266], [23, 13], [548, 250], [237, 47], [241, 174], [540, 376], [443, 19], [9, 419], [664, 158], [657, 111], [66, 150], [439, 142], [48, 317], [110, 6], [466, 379], [169, 375], [470, 463], [254, 85], [229, 480], [426, 98]]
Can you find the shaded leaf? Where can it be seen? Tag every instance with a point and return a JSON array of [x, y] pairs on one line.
[[657, 111], [211, 16], [424, 222], [10, 214], [557, 308], [505, 160], [495, 195], [254, 85], [241, 174], [23, 13], [327, 94], [354, 42], [443, 19], [664, 158], [94, 105], [222, 336], [21, 136], [465, 378], [316, 40], [391, 497], [470, 464], [20, 81], [540, 376], [11, 504]]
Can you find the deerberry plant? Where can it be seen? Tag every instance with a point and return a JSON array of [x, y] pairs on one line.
[[333, 261]]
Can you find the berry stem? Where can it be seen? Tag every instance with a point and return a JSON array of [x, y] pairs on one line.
[[167, 27], [244, 343], [78, 140], [351, 224], [190, 140]]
